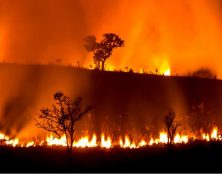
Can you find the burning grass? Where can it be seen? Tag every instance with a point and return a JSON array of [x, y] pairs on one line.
[[105, 141]]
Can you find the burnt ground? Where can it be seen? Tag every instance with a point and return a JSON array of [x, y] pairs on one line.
[[195, 157]]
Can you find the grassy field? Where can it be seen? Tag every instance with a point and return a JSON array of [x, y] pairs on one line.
[[194, 157]]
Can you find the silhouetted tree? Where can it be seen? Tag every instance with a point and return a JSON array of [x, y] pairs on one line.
[[60, 119], [103, 49], [156, 71], [171, 125], [131, 70]]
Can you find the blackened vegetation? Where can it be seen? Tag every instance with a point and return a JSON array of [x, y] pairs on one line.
[[195, 157], [61, 118]]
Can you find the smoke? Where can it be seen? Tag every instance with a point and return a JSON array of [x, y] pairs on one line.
[[185, 33]]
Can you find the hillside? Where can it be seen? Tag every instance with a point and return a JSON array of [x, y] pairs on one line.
[[126, 100]]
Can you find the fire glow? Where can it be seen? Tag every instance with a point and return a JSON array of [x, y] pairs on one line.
[[107, 142], [165, 71]]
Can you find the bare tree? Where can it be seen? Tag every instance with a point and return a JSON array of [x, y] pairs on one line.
[[171, 125], [103, 49], [60, 119]]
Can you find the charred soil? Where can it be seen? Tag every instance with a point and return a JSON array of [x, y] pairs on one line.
[[194, 157]]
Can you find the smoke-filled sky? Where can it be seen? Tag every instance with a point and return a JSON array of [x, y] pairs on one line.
[[182, 34]]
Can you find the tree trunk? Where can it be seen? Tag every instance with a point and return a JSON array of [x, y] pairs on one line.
[[103, 65], [71, 143], [69, 148], [168, 137]]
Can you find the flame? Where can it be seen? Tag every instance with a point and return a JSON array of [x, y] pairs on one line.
[[151, 142], [84, 142], [13, 142], [106, 143], [214, 134], [109, 67], [142, 143], [56, 141], [8, 141], [127, 143], [2, 136], [206, 137], [163, 137], [180, 139], [167, 72], [29, 144]]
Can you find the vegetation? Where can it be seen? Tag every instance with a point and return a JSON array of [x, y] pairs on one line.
[[61, 118], [204, 73], [102, 50]]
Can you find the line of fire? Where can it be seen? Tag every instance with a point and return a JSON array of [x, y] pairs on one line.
[[115, 86]]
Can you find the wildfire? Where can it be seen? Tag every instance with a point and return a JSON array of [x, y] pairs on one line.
[[167, 72], [163, 138], [107, 142], [56, 141], [214, 134], [84, 142], [142, 143], [8, 141], [13, 142], [127, 143], [2, 136], [29, 144], [163, 69], [151, 142], [180, 139]]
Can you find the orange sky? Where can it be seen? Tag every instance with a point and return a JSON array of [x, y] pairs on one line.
[[186, 35]]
